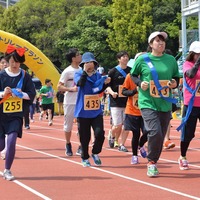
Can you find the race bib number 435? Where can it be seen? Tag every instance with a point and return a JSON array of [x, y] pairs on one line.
[[154, 91], [91, 102], [13, 104]]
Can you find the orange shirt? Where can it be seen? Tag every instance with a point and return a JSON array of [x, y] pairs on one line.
[[131, 105]]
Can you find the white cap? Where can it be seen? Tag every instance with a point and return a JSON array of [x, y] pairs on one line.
[[139, 54], [195, 47], [154, 34]]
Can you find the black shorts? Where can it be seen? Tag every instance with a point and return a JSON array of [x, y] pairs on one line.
[[13, 125], [133, 123], [47, 106]]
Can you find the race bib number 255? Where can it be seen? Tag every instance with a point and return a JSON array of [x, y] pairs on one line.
[[13, 104]]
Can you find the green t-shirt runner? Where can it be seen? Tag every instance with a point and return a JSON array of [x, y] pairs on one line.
[[47, 90], [166, 68]]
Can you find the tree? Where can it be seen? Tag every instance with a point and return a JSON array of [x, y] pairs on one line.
[[163, 10], [130, 24], [103, 26], [8, 20], [41, 22], [88, 32]]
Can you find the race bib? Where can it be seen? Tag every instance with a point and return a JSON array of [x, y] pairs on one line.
[[135, 100], [198, 89], [91, 102], [12, 105], [120, 87], [154, 91], [49, 95]]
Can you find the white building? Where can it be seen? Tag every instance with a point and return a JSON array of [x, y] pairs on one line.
[[6, 3], [189, 8]]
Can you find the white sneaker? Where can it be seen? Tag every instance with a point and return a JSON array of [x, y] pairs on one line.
[[134, 160], [7, 175], [122, 148], [183, 163], [40, 118], [50, 123], [3, 156]]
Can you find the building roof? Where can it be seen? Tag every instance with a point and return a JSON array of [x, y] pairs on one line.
[[11, 2]]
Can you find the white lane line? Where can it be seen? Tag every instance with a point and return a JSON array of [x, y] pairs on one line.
[[116, 174], [30, 189], [115, 150]]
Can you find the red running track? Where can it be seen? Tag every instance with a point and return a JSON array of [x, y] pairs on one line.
[[43, 171]]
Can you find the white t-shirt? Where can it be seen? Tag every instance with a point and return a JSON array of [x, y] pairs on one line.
[[67, 77]]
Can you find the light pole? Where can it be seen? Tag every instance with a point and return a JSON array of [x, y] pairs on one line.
[[7, 3]]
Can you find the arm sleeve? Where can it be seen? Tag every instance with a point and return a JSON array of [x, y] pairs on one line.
[[128, 93], [177, 81], [190, 73], [82, 79], [136, 80]]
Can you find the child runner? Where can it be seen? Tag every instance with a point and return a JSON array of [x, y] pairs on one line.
[[16, 90]]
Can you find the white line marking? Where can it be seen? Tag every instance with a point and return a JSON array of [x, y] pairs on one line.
[[109, 149], [29, 189], [116, 174]]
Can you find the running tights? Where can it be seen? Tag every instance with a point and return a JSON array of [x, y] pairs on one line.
[[10, 152], [184, 148]]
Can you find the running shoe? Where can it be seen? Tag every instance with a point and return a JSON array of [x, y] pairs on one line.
[[69, 150], [79, 151], [183, 163], [122, 148], [41, 117], [3, 156], [116, 144], [7, 175], [169, 145], [111, 139], [96, 159], [50, 123], [86, 163], [152, 170], [143, 152], [134, 160], [27, 127]]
